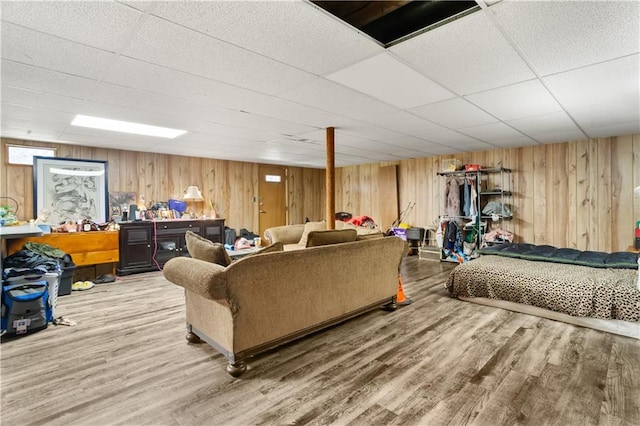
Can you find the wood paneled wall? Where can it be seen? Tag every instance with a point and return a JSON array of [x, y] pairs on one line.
[[231, 185], [577, 194]]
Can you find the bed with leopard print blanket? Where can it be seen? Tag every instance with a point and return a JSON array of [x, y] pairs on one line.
[[583, 295]]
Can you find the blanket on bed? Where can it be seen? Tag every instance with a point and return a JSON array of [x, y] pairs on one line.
[[571, 289]]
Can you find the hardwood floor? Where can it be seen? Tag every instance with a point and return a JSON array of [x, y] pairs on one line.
[[436, 361]]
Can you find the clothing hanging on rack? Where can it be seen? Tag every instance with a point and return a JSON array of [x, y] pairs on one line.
[[452, 191]]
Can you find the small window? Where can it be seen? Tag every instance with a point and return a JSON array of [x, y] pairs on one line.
[[24, 154], [273, 178]]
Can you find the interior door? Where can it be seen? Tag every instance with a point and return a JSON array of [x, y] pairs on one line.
[[272, 199]]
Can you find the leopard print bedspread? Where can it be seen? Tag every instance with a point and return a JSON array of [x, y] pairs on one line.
[[574, 290]]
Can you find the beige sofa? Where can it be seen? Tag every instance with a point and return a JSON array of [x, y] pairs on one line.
[[295, 237], [264, 300]]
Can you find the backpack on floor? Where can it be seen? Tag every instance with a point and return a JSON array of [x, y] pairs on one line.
[[25, 308]]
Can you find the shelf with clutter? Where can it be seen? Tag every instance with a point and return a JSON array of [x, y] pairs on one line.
[[476, 211]]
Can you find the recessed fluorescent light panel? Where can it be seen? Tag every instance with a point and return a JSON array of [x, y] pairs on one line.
[[126, 127]]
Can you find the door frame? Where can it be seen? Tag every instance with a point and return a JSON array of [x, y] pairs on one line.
[[259, 196]]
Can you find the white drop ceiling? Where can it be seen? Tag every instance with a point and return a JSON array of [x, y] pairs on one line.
[[259, 81]]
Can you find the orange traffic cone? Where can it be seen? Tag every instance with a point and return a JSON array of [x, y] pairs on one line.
[[401, 299]]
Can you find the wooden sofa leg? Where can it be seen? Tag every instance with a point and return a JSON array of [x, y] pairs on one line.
[[236, 368], [192, 337]]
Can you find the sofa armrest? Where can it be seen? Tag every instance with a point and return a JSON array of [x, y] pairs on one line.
[[203, 278], [287, 234]]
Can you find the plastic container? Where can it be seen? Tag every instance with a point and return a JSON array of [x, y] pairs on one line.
[[415, 234], [400, 233], [451, 165], [66, 279]]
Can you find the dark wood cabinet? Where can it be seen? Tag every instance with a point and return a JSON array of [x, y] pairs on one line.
[[136, 248], [147, 246]]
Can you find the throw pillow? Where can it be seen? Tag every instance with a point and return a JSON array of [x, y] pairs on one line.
[[203, 249], [310, 227], [331, 236]]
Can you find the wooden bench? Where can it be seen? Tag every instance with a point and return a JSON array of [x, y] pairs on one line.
[[88, 250]]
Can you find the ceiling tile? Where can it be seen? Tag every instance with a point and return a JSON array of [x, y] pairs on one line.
[[297, 33], [136, 74], [497, 134], [407, 88], [603, 120], [42, 80], [219, 141], [560, 35], [455, 113], [220, 130], [307, 146], [173, 46], [418, 145], [102, 24], [475, 147], [548, 127], [19, 96], [332, 97], [455, 140], [40, 135], [114, 112], [266, 124], [111, 94], [516, 101], [466, 56], [105, 138], [297, 113], [30, 130], [36, 114], [597, 84], [369, 131], [515, 142], [35, 48], [406, 124]]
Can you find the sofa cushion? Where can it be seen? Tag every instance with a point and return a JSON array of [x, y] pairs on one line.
[[271, 248], [369, 235], [331, 236], [310, 227], [203, 249]]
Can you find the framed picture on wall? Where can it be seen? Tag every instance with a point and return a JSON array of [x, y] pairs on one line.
[[67, 189]]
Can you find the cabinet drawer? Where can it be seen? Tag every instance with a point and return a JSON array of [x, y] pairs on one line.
[[137, 235], [173, 229]]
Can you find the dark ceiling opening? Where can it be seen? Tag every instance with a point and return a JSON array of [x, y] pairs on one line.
[[390, 22]]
